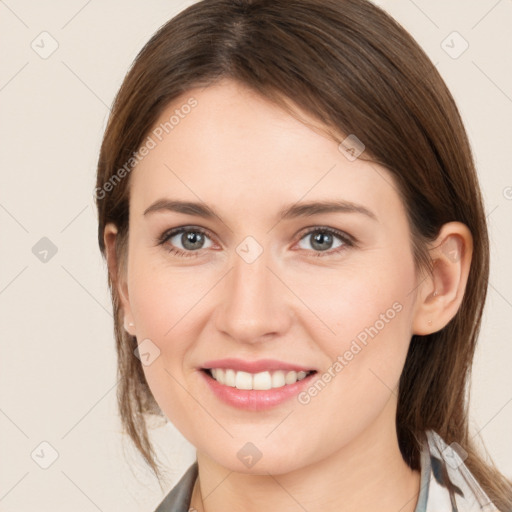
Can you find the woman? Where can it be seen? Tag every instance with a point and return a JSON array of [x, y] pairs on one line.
[[298, 259]]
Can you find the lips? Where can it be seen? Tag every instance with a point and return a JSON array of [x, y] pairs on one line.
[[239, 377], [255, 366], [253, 399]]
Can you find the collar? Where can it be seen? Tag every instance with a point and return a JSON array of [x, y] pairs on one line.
[[446, 484]]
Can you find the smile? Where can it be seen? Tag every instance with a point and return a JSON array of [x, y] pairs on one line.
[[255, 391], [256, 381]]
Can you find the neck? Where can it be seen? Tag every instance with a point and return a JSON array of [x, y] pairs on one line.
[[368, 474]]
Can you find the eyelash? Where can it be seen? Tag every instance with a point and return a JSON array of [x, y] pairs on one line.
[[348, 241]]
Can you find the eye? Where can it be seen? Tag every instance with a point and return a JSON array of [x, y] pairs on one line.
[[185, 241], [322, 240]]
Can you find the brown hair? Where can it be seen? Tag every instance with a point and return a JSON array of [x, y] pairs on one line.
[[355, 69]]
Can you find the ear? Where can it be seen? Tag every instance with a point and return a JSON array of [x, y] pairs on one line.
[[117, 275], [440, 293]]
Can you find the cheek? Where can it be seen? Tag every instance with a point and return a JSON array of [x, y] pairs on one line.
[[369, 309], [366, 298], [162, 305], [163, 299], [165, 309]]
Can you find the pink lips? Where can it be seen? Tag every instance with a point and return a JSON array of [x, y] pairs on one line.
[[252, 399], [254, 366]]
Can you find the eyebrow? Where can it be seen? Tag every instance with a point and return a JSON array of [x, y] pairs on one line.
[[295, 210]]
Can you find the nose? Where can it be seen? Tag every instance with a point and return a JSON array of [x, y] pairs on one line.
[[253, 305]]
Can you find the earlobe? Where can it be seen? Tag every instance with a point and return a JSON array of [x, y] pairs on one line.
[[117, 275], [441, 293], [129, 327]]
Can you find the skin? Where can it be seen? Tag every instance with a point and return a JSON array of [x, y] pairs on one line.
[[247, 159]]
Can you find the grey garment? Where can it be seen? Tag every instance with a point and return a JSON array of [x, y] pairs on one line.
[[446, 484], [178, 500]]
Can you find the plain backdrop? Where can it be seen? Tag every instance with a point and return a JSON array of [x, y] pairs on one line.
[[62, 63]]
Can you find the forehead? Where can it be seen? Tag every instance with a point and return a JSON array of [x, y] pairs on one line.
[[228, 146]]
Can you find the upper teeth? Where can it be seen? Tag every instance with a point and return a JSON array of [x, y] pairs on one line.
[[260, 381]]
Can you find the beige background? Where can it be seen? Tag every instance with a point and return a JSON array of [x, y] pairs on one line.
[[58, 374]]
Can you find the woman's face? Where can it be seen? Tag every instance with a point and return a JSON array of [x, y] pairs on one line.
[[325, 290]]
